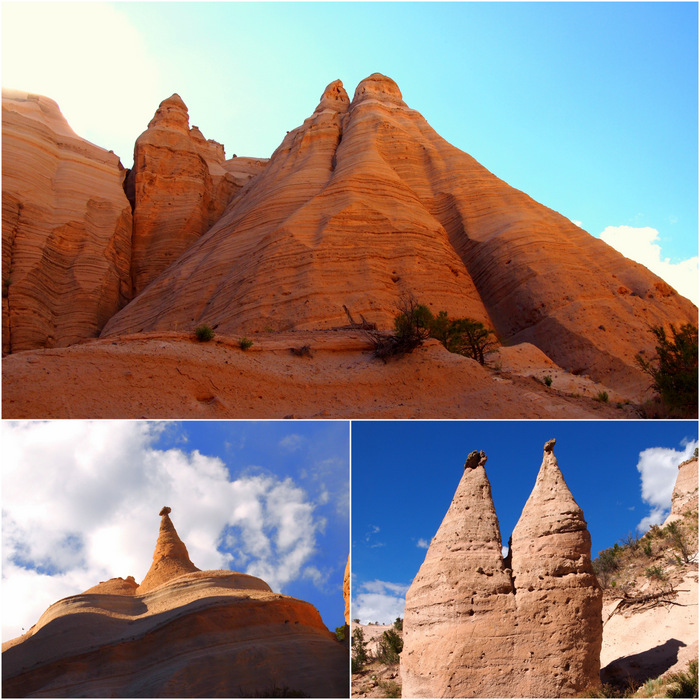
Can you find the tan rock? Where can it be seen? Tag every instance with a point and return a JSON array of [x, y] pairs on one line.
[[180, 186], [685, 491], [66, 229], [365, 202], [474, 627], [197, 634], [458, 621], [170, 558], [558, 599]]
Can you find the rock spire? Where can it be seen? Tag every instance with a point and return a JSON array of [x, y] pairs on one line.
[[170, 558], [474, 627]]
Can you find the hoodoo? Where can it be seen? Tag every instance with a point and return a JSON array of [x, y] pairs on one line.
[[182, 633], [478, 626]]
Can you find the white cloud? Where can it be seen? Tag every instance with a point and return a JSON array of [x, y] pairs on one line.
[[658, 468], [292, 442], [89, 59], [81, 503], [379, 601], [640, 245], [422, 543]]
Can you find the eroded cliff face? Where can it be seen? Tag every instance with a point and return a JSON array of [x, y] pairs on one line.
[[182, 633], [66, 229], [180, 185], [364, 202], [531, 626]]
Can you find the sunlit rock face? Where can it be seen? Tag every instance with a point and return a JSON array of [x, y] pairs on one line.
[[364, 203], [182, 633], [531, 626], [179, 186], [66, 229]]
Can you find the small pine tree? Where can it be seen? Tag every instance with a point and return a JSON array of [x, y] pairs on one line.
[[674, 370], [359, 650]]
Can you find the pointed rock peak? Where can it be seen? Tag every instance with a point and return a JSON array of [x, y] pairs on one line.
[[171, 113], [378, 87], [549, 445], [170, 558], [334, 97]]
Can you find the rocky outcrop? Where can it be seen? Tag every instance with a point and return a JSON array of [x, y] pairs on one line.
[[346, 592], [66, 229], [478, 626], [179, 186], [558, 599], [366, 190], [191, 634], [685, 491]]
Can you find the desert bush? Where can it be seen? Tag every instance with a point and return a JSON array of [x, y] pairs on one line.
[[679, 540], [359, 650], [602, 397], [606, 563], [303, 351], [463, 336], [647, 548], [398, 624], [245, 343], [547, 381], [410, 330], [390, 646], [674, 369], [655, 572], [341, 633], [684, 684], [391, 689], [204, 333]]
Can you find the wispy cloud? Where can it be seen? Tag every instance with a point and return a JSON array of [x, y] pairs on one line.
[[422, 543], [292, 442], [81, 502]]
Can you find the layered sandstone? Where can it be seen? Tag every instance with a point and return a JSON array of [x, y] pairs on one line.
[[685, 490], [66, 229], [179, 186], [478, 626], [346, 592], [364, 202], [191, 634]]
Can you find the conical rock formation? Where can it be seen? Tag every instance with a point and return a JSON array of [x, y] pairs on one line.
[[66, 229], [475, 628], [364, 202], [685, 491], [170, 558], [182, 633]]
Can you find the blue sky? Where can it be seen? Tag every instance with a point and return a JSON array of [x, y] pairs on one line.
[[404, 475], [81, 501], [590, 108]]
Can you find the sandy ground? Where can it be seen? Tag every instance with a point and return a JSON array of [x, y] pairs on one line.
[[171, 375], [646, 642]]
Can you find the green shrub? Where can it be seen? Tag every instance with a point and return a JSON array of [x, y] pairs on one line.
[[647, 548], [359, 650], [398, 624], [390, 646], [606, 563], [684, 684], [463, 336], [204, 333], [391, 689], [602, 397], [547, 380], [245, 343], [674, 369], [410, 330], [679, 540], [655, 572]]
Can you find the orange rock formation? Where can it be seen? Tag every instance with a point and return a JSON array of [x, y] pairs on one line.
[[364, 202], [179, 186], [182, 633], [478, 626], [66, 229]]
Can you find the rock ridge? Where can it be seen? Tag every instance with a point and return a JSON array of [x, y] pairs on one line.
[[477, 625]]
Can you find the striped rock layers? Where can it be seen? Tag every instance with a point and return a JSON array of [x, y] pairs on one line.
[[364, 202], [66, 229], [478, 626], [182, 633]]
